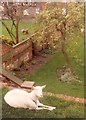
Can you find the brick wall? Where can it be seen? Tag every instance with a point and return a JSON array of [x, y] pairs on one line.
[[5, 48], [13, 57]]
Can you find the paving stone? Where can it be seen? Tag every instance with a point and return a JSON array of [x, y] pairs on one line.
[[27, 84]]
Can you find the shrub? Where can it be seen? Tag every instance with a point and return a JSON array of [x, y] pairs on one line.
[[6, 40]]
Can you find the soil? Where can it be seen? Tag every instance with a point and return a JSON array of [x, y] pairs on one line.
[[27, 68], [33, 65]]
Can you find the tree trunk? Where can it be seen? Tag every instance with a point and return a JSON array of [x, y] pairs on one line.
[[65, 54], [63, 36], [17, 34]]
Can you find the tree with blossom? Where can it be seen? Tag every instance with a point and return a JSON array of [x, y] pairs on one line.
[[58, 23]]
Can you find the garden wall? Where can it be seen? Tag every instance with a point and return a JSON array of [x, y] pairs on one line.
[[13, 57]]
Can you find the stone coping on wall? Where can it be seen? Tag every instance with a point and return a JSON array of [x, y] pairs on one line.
[[24, 41]]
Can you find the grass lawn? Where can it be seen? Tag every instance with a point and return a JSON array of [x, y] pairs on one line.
[[30, 24], [64, 109], [47, 75], [76, 51]]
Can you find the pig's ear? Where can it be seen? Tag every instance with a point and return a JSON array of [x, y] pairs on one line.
[[43, 86]]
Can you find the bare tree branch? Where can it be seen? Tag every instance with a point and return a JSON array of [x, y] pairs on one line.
[[10, 33]]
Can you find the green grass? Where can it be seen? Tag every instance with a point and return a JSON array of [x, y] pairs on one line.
[[64, 109], [76, 51], [47, 75], [23, 25]]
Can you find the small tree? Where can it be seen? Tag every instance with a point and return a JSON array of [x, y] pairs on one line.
[[14, 12], [63, 18]]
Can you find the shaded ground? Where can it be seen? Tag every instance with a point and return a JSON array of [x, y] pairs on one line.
[[27, 68], [33, 65]]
